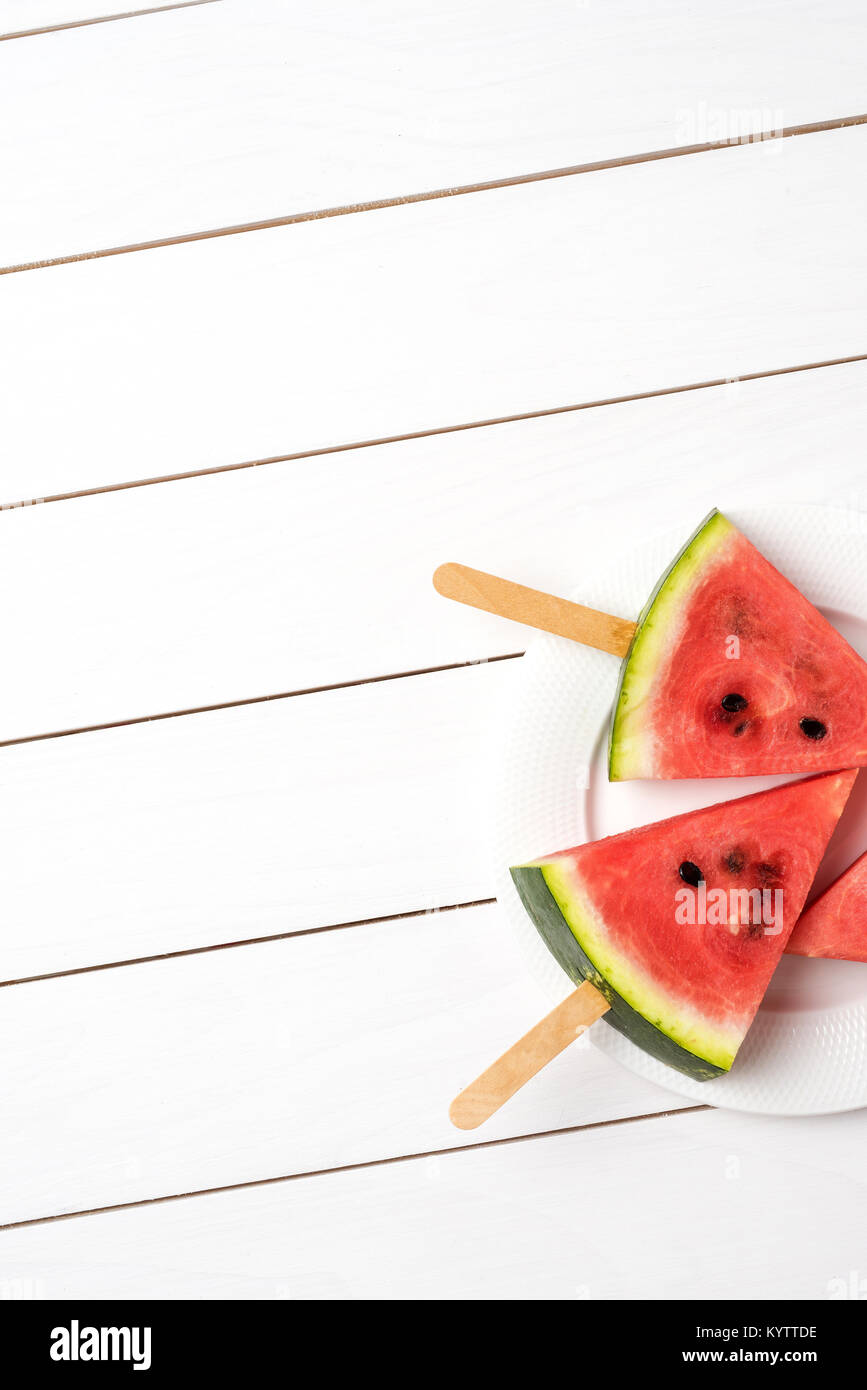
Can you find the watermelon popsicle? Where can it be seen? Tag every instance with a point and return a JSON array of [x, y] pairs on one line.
[[732, 672], [672, 931], [729, 671], [834, 927]]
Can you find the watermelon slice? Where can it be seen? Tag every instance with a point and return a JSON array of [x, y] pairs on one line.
[[732, 673], [835, 925], [617, 912]]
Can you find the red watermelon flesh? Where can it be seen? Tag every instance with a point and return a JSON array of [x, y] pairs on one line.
[[732, 672], [835, 925], [617, 912]]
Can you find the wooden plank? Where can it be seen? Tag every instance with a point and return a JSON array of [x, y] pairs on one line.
[[420, 316], [714, 1205], [266, 109], [296, 1055], [246, 822], [250, 583]]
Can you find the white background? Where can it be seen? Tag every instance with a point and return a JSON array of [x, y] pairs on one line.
[[289, 1094]]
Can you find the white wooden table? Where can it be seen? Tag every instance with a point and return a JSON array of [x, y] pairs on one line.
[[249, 946]]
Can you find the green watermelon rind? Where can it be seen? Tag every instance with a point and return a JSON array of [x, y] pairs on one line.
[[563, 943], [641, 663]]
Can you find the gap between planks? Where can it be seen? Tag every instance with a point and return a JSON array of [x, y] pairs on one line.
[[247, 941], [105, 19], [354, 1167], [462, 427], [259, 699], [431, 195]]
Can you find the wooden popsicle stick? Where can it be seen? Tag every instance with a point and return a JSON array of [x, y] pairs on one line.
[[484, 1096], [534, 608]]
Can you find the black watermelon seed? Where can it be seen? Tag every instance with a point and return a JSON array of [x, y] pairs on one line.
[[768, 873], [734, 861], [691, 873], [733, 704], [813, 728], [741, 728]]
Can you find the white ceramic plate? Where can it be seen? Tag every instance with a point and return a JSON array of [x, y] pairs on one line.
[[806, 1053]]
